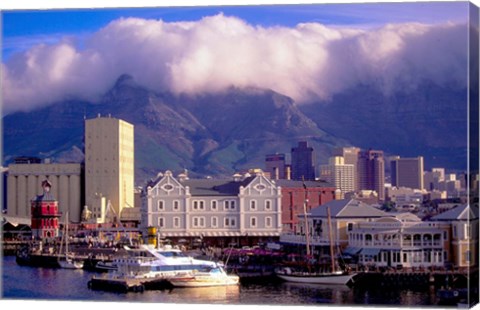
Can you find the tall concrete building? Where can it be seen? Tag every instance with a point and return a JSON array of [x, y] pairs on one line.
[[303, 162], [275, 166], [371, 172], [339, 174], [407, 172], [350, 156], [24, 183], [109, 167]]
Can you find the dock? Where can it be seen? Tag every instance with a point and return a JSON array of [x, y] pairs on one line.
[[128, 284], [416, 278]]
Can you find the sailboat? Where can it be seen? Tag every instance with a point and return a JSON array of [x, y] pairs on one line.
[[328, 277], [67, 260]]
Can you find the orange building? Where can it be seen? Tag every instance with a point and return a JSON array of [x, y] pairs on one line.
[[294, 195]]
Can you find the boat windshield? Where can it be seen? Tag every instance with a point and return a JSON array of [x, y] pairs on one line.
[[216, 270], [172, 254]]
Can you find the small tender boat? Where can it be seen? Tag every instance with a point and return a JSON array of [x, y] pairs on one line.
[[337, 277], [215, 276], [106, 266], [68, 262]]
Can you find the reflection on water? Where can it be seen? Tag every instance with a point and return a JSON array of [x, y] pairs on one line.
[[211, 295], [62, 284]]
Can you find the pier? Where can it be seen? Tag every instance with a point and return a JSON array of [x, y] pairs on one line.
[[416, 278], [128, 284]]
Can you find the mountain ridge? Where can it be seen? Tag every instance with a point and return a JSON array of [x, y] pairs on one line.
[[221, 133]]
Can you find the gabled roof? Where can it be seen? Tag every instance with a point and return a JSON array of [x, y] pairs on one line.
[[459, 213], [15, 221], [297, 184], [406, 216], [215, 187], [347, 208]]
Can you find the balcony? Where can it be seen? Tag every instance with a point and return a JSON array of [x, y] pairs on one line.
[[301, 239]]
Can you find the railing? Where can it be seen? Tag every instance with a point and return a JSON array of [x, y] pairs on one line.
[[387, 244], [301, 239], [394, 245]]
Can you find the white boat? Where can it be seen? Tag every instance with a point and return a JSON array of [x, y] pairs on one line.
[[337, 277], [67, 260], [207, 277], [150, 262]]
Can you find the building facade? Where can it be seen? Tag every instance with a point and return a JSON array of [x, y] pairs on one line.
[[402, 240], [391, 239], [24, 183], [109, 167], [339, 174], [343, 215], [241, 210], [275, 166], [303, 162], [44, 219], [408, 172], [371, 172], [463, 222], [299, 197], [350, 156]]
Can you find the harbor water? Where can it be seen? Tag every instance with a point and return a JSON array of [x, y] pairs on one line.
[[34, 283]]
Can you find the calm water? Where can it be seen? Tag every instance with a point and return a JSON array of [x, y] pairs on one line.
[[30, 283]]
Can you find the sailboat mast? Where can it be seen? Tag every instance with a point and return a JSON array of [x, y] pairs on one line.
[[66, 234], [330, 237], [307, 230]]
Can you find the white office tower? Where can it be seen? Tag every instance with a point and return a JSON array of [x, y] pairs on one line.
[[109, 167]]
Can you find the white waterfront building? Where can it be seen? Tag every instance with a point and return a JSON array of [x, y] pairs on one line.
[[400, 240], [223, 210]]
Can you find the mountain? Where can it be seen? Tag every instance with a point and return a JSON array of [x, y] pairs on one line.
[[209, 134], [223, 133]]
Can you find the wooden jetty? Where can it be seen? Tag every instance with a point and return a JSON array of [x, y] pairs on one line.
[[128, 284], [415, 278]]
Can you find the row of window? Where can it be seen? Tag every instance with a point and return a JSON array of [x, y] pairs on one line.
[[201, 222], [199, 205], [395, 257]]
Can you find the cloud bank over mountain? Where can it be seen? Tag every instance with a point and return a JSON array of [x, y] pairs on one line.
[[308, 62]]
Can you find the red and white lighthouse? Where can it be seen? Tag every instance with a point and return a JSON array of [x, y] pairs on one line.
[[45, 214]]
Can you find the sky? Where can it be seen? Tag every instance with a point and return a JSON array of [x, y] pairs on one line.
[[305, 51]]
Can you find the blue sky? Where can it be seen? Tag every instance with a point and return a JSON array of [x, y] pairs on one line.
[[25, 27]]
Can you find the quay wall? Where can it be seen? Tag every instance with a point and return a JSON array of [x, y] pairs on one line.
[[418, 279]]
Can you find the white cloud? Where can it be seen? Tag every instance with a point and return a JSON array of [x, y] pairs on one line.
[[305, 62]]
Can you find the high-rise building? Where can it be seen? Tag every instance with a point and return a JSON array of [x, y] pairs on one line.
[[350, 156], [275, 166], [303, 162], [109, 167], [371, 172], [407, 172], [432, 180], [339, 174]]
